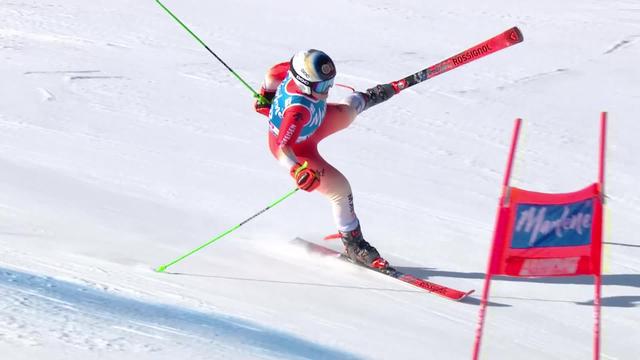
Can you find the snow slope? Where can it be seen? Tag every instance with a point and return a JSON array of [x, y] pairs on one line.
[[123, 144]]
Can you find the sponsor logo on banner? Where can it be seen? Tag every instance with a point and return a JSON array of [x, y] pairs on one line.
[[542, 267], [552, 225]]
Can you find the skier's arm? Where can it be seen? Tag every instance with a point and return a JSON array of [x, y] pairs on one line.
[[272, 80], [293, 120]]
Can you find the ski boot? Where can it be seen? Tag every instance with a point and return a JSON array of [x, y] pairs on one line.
[[360, 251]]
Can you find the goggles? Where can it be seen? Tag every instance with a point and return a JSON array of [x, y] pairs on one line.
[[320, 87]]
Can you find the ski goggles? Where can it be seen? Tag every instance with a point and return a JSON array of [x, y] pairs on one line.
[[320, 87]]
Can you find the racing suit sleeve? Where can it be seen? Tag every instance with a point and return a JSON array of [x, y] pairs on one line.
[[293, 120], [272, 80], [274, 76]]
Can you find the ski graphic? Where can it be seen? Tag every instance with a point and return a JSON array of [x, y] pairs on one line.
[[499, 42], [431, 287]]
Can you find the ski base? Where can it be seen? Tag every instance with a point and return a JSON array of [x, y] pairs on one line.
[[431, 287]]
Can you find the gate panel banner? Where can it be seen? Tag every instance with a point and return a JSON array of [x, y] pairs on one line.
[[540, 234], [549, 234]]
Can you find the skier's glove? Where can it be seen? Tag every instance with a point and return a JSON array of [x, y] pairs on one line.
[[307, 179], [263, 102], [378, 94]]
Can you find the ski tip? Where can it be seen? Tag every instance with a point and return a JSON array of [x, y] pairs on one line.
[[514, 35]]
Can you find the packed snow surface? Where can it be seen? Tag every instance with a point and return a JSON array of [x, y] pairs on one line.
[[124, 144]]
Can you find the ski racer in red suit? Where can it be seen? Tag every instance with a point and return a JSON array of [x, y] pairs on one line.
[[299, 118]]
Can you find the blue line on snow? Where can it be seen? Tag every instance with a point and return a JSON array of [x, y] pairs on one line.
[[201, 325]]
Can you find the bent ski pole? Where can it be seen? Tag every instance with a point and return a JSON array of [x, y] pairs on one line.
[[260, 98], [499, 42]]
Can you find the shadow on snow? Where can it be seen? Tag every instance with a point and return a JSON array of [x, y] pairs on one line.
[[631, 280], [204, 326]]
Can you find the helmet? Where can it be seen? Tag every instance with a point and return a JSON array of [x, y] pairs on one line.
[[313, 70]]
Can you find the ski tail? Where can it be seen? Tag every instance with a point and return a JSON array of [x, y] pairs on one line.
[[499, 42]]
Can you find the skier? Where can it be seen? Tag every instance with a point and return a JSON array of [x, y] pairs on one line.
[[299, 118]]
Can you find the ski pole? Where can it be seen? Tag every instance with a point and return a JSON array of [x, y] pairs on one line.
[[165, 266], [261, 99]]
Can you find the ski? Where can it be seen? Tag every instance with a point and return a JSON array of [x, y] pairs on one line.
[[499, 42], [431, 287]]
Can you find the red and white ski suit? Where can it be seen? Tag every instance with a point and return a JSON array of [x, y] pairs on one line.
[[290, 148]]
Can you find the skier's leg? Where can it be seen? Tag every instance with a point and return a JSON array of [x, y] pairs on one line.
[[338, 117], [335, 186]]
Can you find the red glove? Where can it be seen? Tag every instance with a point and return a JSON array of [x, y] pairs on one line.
[[307, 179], [263, 102]]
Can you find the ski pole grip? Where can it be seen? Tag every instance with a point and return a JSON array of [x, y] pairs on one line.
[[262, 100], [302, 167]]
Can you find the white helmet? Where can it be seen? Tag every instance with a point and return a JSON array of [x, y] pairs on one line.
[[313, 71]]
